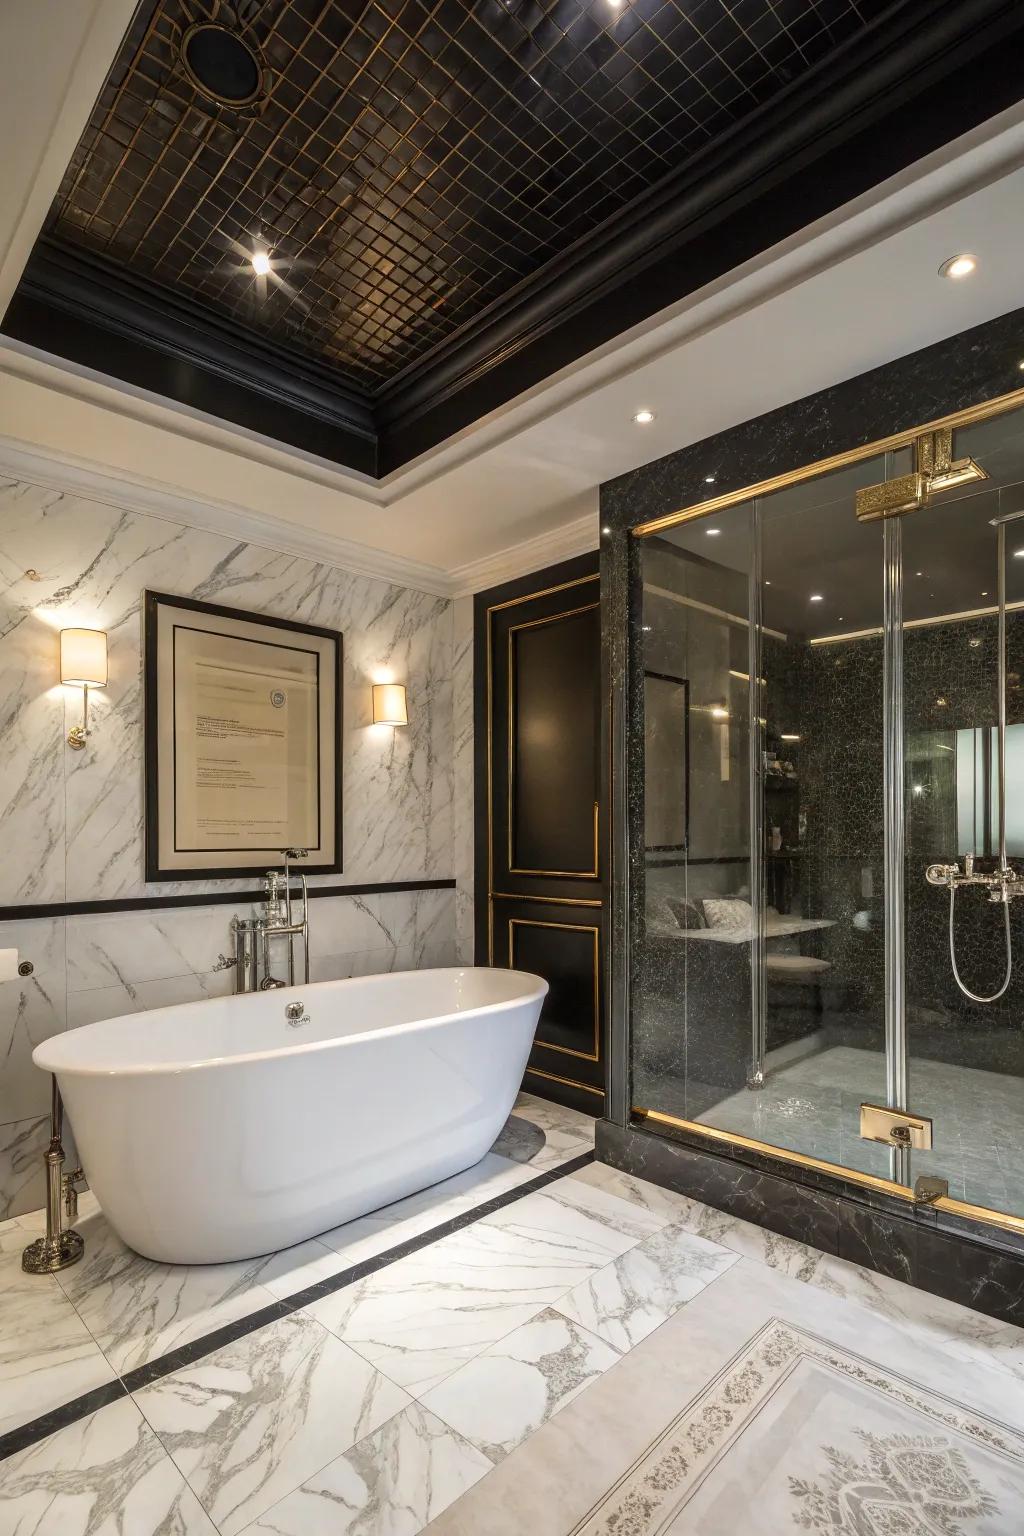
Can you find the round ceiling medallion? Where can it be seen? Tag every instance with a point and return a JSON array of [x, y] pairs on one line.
[[222, 64]]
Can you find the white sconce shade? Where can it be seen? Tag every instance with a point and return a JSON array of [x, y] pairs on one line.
[[389, 704], [83, 664], [83, 657]]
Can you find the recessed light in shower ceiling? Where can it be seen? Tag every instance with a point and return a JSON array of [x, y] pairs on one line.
[[643, 417], [261, 263], [960, 266], [816, 597]]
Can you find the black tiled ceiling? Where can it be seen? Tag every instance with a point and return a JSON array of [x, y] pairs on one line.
[[412, 161]]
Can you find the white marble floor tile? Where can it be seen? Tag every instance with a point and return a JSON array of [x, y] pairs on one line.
[[46, 1354], [956, 1330], [424, 1316], [293, 1269], [664, 1204], [629, 1298], [137, 1309], [16, 1233], [594, 1236], [254, 1420], [516, 1385], [107, 1475], [603, 1206], [552, 1116], [369, 1235], [393, 1483], [543, 1135]]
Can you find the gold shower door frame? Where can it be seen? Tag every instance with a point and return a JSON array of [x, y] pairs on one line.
[[896, 1063]]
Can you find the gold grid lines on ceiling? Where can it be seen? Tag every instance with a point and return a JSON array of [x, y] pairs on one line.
[[409, 162]]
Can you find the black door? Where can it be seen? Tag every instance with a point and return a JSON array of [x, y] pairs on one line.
[[543, 823]]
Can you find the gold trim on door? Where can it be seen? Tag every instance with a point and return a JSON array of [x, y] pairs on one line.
[[570, 1082], [512, 602], [530, 922], [514, 869]]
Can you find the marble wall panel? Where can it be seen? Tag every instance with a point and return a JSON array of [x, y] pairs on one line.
[[72, 823]]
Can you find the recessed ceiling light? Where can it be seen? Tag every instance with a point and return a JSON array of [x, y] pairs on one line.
[[710, 479], [1018, 554], [767, 582], [958, 266], [261, 263], [606, 530], [643, 417], [919, 573], [816, 597], [1020, 365], [984, 594], [712, 533]]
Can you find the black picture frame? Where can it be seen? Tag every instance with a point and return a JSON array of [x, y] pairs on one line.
[[683, 686], [153, 602]]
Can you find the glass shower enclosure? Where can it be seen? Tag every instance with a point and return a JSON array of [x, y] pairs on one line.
[[833, 817]]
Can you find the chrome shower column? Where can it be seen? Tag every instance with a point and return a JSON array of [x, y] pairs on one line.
[[894, 818]]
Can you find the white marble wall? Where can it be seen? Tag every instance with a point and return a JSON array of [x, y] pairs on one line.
[[462, 774], [71, 823]]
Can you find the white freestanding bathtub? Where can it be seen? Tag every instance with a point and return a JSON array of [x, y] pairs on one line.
[[223, 1129]]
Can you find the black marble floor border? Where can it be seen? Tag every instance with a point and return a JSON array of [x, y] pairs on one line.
[[165, 1365]]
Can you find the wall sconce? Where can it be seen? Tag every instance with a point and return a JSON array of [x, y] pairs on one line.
[[83, 664], [389, 704]]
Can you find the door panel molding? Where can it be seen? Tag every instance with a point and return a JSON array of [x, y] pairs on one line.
[[557, 912]]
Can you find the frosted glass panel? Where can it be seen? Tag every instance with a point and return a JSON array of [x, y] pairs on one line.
[[977, 791]]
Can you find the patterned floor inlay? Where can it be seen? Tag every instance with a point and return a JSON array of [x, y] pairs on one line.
[[811, 1437]]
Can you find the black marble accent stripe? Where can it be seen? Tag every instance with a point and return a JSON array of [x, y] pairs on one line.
[[68, 1413], [205, 899], [176, 1359]]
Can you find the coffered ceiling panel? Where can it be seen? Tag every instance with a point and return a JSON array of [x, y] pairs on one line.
[[406, 163]]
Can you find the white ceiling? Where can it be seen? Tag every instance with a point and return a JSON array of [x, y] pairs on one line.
[[518, 489]]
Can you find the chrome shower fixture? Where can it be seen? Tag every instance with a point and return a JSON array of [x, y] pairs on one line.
[[1003, 884]]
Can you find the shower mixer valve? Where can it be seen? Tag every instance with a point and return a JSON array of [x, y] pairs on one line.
[[1002, 884]]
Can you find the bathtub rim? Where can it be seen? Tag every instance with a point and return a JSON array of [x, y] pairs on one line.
[[297, 1047]]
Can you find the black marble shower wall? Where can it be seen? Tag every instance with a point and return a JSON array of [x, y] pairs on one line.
[[834, 689]]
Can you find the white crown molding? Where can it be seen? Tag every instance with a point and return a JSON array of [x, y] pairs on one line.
[[76, 477], [576, 538]]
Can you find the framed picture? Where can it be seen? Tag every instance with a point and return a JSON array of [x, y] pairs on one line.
[[243, 741], [666, 762]]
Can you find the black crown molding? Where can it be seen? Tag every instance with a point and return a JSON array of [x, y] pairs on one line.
[[908, 85], [84, 308]]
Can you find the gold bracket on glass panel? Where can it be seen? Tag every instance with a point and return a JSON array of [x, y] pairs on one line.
[[895, 1127], [935, 469]]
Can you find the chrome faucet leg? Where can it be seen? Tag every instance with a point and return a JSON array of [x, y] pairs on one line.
[[58, 1248]]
